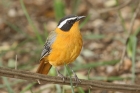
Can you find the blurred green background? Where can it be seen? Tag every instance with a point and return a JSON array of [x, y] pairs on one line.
[[25, 25]]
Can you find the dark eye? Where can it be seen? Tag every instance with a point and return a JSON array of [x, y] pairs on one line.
[[69, 22]]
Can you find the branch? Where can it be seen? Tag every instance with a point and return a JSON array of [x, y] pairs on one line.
[[30, 76]]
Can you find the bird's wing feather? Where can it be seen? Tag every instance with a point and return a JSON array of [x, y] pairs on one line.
[[47, 47]]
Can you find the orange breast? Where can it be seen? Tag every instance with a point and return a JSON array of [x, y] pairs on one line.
[[66, 47]]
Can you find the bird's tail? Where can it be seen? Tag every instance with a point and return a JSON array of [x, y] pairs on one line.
[[44, 67]]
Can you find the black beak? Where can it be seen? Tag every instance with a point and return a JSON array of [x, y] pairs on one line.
[[80, 17]]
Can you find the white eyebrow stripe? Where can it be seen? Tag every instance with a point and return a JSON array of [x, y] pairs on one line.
[[63, 22]]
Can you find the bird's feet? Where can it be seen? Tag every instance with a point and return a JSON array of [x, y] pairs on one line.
[[60, 75], [78, 81]]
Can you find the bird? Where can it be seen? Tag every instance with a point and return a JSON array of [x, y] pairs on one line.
[[62, 46]]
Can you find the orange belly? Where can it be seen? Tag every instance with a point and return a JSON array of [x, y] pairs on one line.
[[65, 49]]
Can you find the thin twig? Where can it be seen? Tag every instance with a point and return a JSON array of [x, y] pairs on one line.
[[30, 76], [116, 8], [121, 17], [129, 33], [38, 81], [110, 9], [16, 63]]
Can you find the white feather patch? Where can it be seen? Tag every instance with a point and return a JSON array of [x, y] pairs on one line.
[[63, 22]]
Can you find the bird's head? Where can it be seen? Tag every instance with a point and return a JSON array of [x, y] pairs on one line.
[[66, 23]]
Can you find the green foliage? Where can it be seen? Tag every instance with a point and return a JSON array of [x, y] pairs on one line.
[[59, 9], [28, 87], [80, 90], [16, 28], [121, 18], [68, 71], [8, 86], [6, 83], [131, 50], [39, 38], [95, 64], [75, 6]]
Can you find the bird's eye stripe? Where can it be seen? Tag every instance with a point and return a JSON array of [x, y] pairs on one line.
[[63, 22]]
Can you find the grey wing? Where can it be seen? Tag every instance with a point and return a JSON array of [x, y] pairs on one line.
[[47, 47]]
